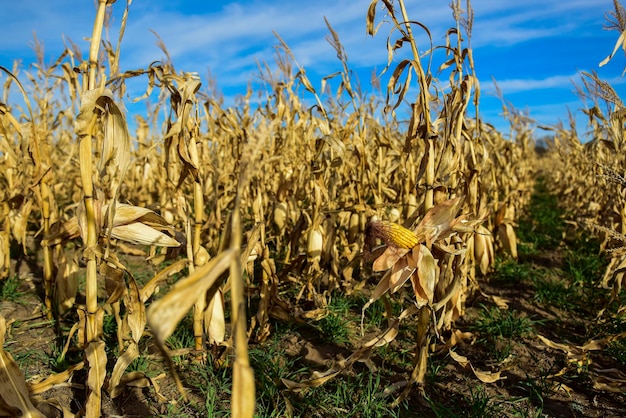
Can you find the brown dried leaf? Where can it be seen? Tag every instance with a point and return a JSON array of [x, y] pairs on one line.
[[424, 283], [483, 376], [115, 155], [149, 288], [462, 360], [400, 273], [506, 233], [371, 17], [86, 119], [130, 354], [62, 232], [55, 379], [439, 219], [389, 258], [66, 282], [13, 389], [97, 360], [4, 256], [621, 42], [141, 234], [136, 310], [486, 377], [610, 380], [166, 313]]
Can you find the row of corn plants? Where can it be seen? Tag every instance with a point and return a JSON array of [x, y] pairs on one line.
[[293, 195], [587, 175]]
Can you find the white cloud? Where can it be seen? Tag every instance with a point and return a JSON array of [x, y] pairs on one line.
[[510, 86]]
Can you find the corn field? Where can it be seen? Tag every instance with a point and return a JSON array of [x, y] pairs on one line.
[[235, 221]]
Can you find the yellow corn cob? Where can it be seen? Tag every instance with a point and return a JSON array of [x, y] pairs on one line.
[[393, 234]]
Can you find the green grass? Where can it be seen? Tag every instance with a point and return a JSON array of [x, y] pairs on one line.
[[356, 397], [182, 337], [553, 291], [9, 290], [498, 327], [575, 285], [475, 404], [214, 384], [140, 364], [569, 282], [510, 271], [271, 364], [543, 227], [30, 357], [335, 326], [617, 350], [502, 323]]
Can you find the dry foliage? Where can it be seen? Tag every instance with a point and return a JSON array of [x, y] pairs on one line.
[[276, 201], [589, 179]]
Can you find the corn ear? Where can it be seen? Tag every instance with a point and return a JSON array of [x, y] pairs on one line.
[[315, 242], [280, 215], [393, 234], [483, 249]]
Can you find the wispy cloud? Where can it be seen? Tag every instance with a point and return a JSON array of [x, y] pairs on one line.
[[511, 86]]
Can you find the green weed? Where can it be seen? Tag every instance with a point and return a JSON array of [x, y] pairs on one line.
[[543, 227], [476, 404], [553, 291], [9, 290], [497, 327], [508, 270], [271, 364], [214, 383], [503, 323], [334, 326]]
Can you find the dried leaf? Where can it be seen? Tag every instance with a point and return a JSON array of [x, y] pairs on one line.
[[389, 258], [55, 379], [486, 377], [621, 42], [424, 283], [167, 312], [141, 234], [400, 273], [115, 155], [13, 389], [97, 360], [439, 219], [128, 356], [136, 310], [483, 376], [66, 282], [462, 360], [172, 269]]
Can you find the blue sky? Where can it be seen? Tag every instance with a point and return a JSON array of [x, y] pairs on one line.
[[535, 49]]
